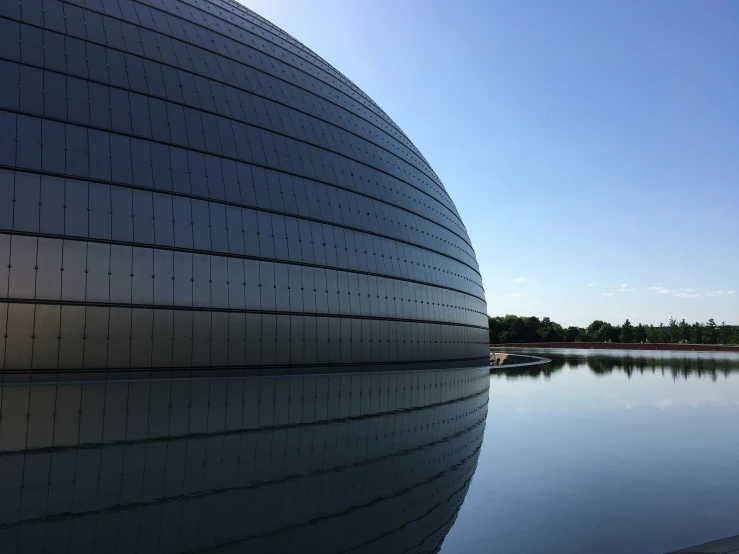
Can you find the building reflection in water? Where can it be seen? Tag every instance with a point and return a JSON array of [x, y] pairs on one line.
[[317, 463]]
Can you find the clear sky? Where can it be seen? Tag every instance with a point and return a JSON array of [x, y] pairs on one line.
[[592, 148]]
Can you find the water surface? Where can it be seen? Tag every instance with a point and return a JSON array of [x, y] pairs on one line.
[[608, 453], [131, 462], [625, 452]]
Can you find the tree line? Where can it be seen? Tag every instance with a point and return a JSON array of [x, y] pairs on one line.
[[511, 328], [601, 364]]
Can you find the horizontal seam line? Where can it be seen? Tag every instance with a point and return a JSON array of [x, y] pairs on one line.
[[271, 371], [205, 493], [208, 77], [377, 500], [383, 116], [243, 430], [275, 31], [215, 114], [228, 255], [340, 77], [225, 202], [83, 303]]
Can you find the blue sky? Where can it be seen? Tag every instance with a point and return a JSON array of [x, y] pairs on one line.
[[592, 148]]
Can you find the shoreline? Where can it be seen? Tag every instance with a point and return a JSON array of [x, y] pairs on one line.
[[622, 346]]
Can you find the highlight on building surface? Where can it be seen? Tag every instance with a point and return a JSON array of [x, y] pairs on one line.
[[184, 185]]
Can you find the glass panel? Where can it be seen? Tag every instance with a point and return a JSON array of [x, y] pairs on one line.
[[77, 151], [164, 277], [161, 166], [75, 208], [143, 217], [183, 279], [182, 222], [97, 272], [122, 218], [22, 281], [31, 91], [55, 92], [120, 273], [163, 220], [99, 155], [27, 198], [100, 211], [29, 142], [219, 282], [52, 201]]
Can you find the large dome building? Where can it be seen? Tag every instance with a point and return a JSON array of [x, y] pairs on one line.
[[184, 185]]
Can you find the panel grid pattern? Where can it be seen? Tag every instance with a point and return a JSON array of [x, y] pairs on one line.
[[184, 185], [375, 461]]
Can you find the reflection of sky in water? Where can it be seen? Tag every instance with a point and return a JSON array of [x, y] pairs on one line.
[[333, 463], [631, 456]]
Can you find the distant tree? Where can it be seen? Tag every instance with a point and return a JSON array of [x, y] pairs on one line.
[[532, 330], [725, 333], [627, 332], [663, 333], [495, 325], [594, 331], [674, 331], [513, 329], [614, 333], [696, 333], [557, 332], [711, 332], [684, 331], [573, 334], [549, 331]]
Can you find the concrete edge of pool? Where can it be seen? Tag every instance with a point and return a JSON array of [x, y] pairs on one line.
[[505, 360]]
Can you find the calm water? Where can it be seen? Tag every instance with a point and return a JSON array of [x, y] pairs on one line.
[[376, 462], [619, 454], [624, 453]]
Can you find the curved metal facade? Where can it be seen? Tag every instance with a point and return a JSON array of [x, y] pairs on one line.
[[370, 463], [182, 185]]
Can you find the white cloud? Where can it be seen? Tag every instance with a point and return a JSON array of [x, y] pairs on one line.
[[591, 284], [512, 295], [687, 295], [520, 279], [714, 293], [687, 289], [624, 286], [661, 290], [607, 294], [732, 292]]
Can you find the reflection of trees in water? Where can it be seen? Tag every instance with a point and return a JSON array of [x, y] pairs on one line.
[[532, 371], [677, 367]]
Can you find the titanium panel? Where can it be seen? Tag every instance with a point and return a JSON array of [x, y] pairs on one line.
[[183, 185]]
